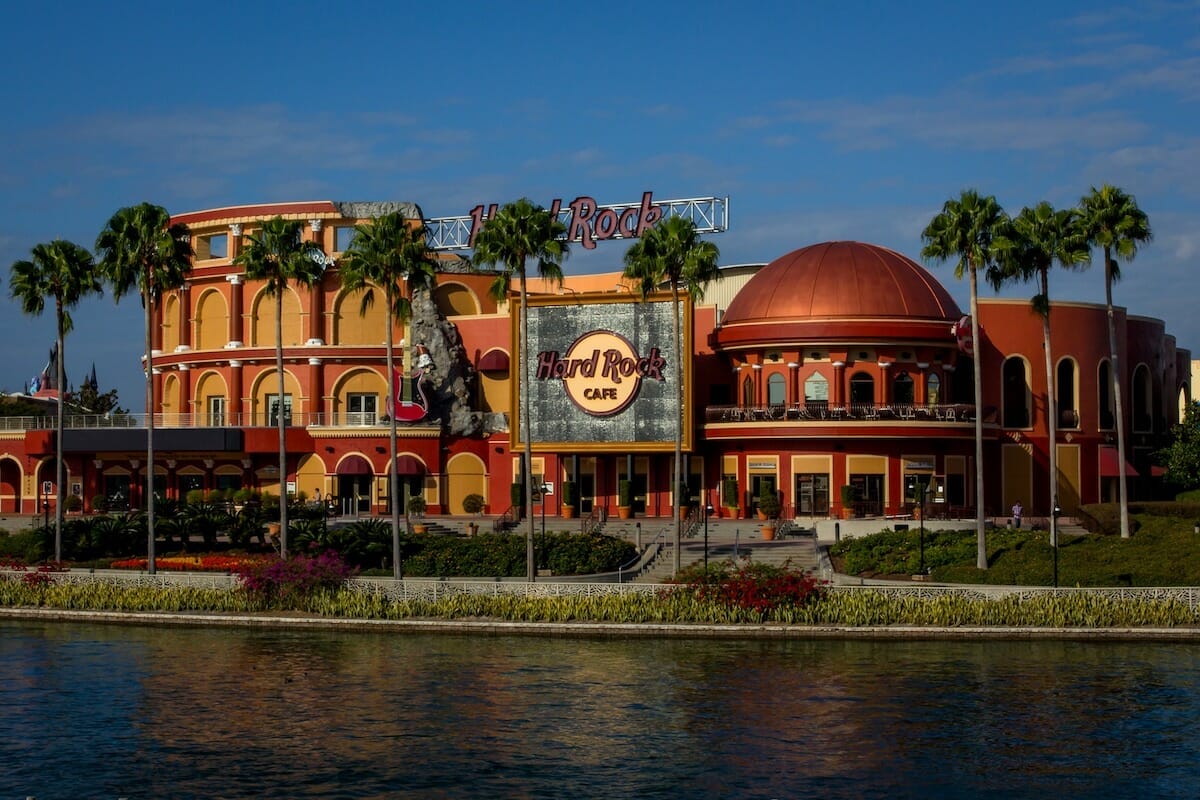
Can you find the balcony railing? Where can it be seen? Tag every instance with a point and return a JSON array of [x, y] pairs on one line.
[[344, 419], [852, 412]]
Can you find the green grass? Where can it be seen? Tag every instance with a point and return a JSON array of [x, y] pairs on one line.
[[1164, 552]]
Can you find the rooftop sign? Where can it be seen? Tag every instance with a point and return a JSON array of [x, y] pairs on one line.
[[588, 222]]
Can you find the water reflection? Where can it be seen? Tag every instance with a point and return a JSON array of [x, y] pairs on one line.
[[146, 712]]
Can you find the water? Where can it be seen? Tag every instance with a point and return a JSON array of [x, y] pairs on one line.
[[144, 712]]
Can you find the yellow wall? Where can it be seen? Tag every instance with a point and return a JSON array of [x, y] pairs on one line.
[[212, 322], [465, 474], [352, 327], [1018, 478], [264, 320]]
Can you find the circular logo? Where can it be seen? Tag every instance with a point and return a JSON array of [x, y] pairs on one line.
[[606, 375]]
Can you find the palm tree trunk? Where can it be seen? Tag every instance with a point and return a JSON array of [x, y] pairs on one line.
[[283, 515], [678, 344], [1122, 484], [1051, 412], [149, 306], [60, 472], [393, 471], [523, 393], [976, 355]]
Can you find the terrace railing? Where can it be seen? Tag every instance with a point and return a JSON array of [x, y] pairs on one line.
[[851, 412]]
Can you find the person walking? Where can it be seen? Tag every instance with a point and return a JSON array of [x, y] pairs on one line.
[[1016, 514]]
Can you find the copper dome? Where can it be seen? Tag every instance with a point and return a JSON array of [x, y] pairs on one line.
[[838, 280], [847, 291]]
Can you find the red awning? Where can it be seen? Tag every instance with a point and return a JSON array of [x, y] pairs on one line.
[[409, 465], [1108, 464], [493, 361], [355, 465]]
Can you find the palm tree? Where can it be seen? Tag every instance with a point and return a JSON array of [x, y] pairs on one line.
[[66, 272], [518, 232], [280, 257], [1034, 240], [965, 230], [672, 252], [140, 247], [1114, 223], [390, 253]]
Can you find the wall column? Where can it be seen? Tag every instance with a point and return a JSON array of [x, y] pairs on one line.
[[316, 392], [185, 317], [235, 394], [839, 383], [235, 310], [884, 394], [921, 384], [185, 395], [793, 385], [316, 295]]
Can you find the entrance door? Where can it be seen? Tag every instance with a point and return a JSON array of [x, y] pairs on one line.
[[812, 494], [587, 493], [354, 494], [758, 485]]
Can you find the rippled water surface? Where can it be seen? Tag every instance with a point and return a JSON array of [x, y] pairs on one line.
[[109, 711]]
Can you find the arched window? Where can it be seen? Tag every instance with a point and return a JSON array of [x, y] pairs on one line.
[[816, 389], [862, 388], [1016, 393], [1142, 403], [902, 390], [1065, 394], [933, 390], [1104, 384], [776, 389]]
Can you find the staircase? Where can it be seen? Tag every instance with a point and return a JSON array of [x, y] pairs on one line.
[[730, 538]]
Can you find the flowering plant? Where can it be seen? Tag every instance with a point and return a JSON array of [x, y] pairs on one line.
[[296, 578], [754, 587], [205, 563]]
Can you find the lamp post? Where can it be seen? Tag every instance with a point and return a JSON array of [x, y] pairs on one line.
[[1054, 539], [922, 487], [708, 509]]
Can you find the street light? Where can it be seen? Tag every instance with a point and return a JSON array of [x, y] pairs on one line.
[[707, 511], [921, 513]]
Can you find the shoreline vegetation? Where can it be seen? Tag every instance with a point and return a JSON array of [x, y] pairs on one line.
[[757, 599]]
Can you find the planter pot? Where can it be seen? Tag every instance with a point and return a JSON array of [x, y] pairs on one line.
[[768, 533], [762, 516], [419, 528], [568, 512], [624, 512], [730, 512]]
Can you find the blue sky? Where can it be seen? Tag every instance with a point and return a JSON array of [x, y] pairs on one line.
[[819, 121]]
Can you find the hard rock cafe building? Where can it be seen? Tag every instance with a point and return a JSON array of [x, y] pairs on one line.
[[834, 365]]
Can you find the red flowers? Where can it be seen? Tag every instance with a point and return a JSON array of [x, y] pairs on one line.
[[207, 563]]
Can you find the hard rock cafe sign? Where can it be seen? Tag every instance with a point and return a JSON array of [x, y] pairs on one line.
[[587, 222], [601, 371]]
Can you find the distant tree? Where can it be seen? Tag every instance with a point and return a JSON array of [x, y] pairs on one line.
[[1115, 224], [673, 253], [66, 273], [518, 232], [1182, 456], [90, 400], [965, 230], [279, 256]]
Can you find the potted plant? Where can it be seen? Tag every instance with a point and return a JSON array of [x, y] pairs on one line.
[[570, 499], [73, 504], [769, 508], [416, 510], [99, 504], [685, 498], [625, 498], [849, 495], [473, 504], [729, 496]]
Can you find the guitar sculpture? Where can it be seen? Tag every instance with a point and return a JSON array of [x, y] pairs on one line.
[[411, 409]]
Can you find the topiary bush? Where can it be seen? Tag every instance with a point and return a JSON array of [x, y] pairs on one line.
[[473, 503]]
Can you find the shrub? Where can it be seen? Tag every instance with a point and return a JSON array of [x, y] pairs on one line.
[[99, 504], [473, 503], [761, 588], [729, 492], [416, 505], [768, 501], [194, 496], [72, 503], [516, 495], [570, 493], [281, 582], [625, 493]]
